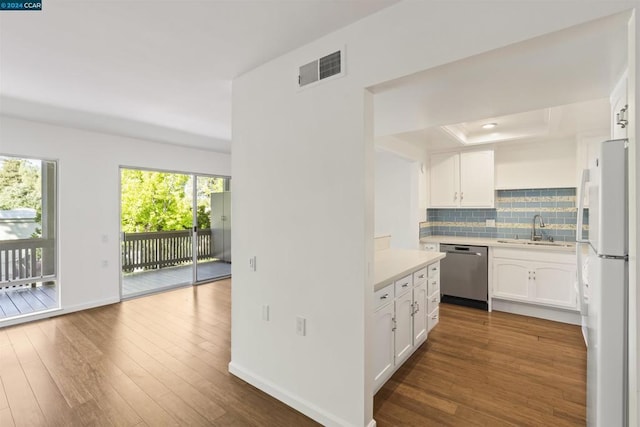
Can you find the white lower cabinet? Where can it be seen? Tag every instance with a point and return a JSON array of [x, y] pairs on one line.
[[434, 318], [511, 278], [404, 325], [555, 285], [383, 347], [433, 298], [535, 277], [420, 306], [402, 320]]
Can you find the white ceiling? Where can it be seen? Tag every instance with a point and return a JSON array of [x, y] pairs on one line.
[[560, 81], [160, 70]]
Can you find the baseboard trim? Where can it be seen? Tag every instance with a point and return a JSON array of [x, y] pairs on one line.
[[557, 315], [297, 403]]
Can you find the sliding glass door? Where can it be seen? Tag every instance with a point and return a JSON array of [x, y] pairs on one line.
[[157, 231], [175, 230], [213, 210]]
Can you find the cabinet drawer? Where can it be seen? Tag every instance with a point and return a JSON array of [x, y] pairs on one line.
[[434, 270], [433, 302], [403, 285], [433, 286], [434, 318], [420, 277], [383, 296]]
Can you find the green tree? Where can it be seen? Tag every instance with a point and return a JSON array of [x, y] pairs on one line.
[[160, 201], [154, 201], [20, 185]]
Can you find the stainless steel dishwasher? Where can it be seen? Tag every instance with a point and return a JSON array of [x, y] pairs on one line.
[[464, 275]]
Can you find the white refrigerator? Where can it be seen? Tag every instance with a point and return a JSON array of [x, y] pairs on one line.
[[603, 290]]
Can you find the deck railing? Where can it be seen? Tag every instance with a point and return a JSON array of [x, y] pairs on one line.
[[21, 260], [160, 249]]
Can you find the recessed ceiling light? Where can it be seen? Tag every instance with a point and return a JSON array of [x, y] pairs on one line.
[[489, 125]]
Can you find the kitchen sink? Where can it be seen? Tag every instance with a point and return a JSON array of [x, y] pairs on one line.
[[537, 243]]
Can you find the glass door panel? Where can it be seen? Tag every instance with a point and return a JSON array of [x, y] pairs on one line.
[[157, 231], [213, 212]]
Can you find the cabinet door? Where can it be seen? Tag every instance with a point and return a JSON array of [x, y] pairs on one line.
[[444, 180], [477, 187], [383, 349], [404, 326], [511, 279], [554, 284], [433, 319], [619, 99], [420, 307]]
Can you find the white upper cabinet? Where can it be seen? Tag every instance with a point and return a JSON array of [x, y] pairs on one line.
[[477, 179], [619, 109], [462, 180], [445, 180]]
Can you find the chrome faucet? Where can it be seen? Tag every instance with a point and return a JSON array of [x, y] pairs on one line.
[[534, 236]]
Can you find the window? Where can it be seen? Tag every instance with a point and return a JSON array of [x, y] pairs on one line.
[[28, 249]]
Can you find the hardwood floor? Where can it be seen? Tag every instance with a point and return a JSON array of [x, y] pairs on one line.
[[489, 369], [153, 361], [162, 360]]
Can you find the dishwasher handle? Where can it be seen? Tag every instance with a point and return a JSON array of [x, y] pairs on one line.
[[462, 250], [464, 253]]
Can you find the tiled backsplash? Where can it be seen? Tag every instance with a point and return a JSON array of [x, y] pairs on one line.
[[513, 216]]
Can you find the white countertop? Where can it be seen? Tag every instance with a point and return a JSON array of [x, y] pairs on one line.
[[392, 264], [501, 242]]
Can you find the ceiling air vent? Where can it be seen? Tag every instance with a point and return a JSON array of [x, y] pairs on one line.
[[320, 69]]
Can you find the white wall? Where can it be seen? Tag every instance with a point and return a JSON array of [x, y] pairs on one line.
[[89, 196], [314, 236], [396, 199], [548, 164]]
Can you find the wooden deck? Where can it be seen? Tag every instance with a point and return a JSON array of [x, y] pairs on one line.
[[26, 300], [134, 284]]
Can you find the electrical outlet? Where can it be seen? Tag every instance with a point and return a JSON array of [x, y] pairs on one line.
[[252, 263], [490, 223], [301, 326], [265, 312]]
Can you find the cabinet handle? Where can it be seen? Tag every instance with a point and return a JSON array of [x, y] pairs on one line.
[[455, 196], [385, 296], [417, 308], [421, 276], [393, 319], [461, 195], [435, 299], [404, 285]]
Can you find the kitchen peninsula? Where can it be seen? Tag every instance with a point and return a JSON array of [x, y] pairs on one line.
[[406, 306]]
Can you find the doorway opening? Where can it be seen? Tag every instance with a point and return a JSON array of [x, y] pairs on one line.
[[175, 230]]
